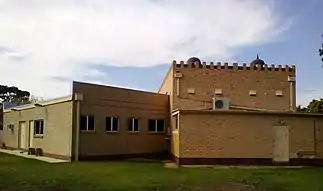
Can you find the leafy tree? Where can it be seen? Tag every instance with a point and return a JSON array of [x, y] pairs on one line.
[[13, 94], [315, 106]]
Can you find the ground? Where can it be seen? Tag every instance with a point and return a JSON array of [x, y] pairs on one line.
[[26, 174]]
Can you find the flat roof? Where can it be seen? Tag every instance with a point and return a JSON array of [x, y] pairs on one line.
[[43, 103], [247, 112]]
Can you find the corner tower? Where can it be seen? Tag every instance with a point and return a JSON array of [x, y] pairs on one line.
[[193, 85]]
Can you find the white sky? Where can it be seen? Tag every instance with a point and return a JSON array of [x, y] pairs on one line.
[[40, 40]]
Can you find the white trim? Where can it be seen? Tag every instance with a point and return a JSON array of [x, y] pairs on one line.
[[133, 125], [155, 130], [111, 125], [44, 103], [87, 124]]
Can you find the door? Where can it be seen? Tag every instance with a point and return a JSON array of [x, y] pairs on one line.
[[281, 144], [31, 134], [23, 137]]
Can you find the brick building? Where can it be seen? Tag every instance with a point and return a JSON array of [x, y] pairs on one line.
[[202, 114]]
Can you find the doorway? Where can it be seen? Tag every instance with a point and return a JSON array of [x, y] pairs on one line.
[[281, 144], [23, 135]]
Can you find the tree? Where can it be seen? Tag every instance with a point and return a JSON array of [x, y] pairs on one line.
[[315, 106], [13, 94]]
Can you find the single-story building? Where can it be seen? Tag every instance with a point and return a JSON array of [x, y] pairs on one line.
[[94, 122]]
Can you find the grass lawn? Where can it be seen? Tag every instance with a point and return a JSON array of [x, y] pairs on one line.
[[25, 174]]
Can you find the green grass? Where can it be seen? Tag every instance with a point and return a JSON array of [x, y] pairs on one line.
[[25, 174]]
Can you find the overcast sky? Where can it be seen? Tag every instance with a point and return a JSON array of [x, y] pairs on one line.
[[44, 45]]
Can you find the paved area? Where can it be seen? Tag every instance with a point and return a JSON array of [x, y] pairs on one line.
[[24, 154]]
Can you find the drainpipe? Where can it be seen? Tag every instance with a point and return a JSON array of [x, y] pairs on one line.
[[292, 93], [78, 99]]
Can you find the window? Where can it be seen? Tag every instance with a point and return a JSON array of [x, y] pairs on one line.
[[87, 123], [156, 125], [39, 127], [133, 125], [175, 122], [112, 124]]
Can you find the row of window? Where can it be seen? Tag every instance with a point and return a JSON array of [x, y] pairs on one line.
[[112, 124]]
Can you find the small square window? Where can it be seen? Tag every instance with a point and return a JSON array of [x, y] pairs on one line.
[[156, 125], [218, 91], [112, 124], [87, 123], [279, 93], [252, 92], [191, 90], [39, 127], [133, 125]]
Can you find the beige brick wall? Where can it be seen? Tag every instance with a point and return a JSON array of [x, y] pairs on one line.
[[235, 85], [57, 136], [103, 101], [244, 135]]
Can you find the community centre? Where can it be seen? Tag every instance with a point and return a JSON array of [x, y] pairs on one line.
[[203, 113]]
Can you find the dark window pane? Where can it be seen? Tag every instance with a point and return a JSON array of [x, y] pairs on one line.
[[90, 123], [41, 127], [160, 125], [135, 125], [83, 123], [108, 124], [115, 124], [36, 127], [129, 124], [175, 122], [152, 125]]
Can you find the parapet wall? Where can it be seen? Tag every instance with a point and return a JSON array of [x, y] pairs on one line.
[[234, 66]]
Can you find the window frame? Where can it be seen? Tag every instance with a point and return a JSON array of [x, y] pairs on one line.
[[87, 129], [41, 127], [156, 126], [132, 130], [111, 130]]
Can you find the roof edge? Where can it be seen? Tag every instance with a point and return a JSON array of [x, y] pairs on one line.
[[247, 112], [43, 103]]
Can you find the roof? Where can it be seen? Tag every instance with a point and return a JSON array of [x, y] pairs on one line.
[[42, 103], [247, 112]]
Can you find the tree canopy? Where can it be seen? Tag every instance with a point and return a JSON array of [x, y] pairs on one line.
[[315, 106], [13, 94]]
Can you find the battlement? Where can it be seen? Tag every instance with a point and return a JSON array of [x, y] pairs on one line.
[[234, 66]]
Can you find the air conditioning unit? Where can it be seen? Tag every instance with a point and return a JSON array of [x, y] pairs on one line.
[[220, 103]]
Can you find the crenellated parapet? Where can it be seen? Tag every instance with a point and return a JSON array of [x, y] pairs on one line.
[[233, 66]]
